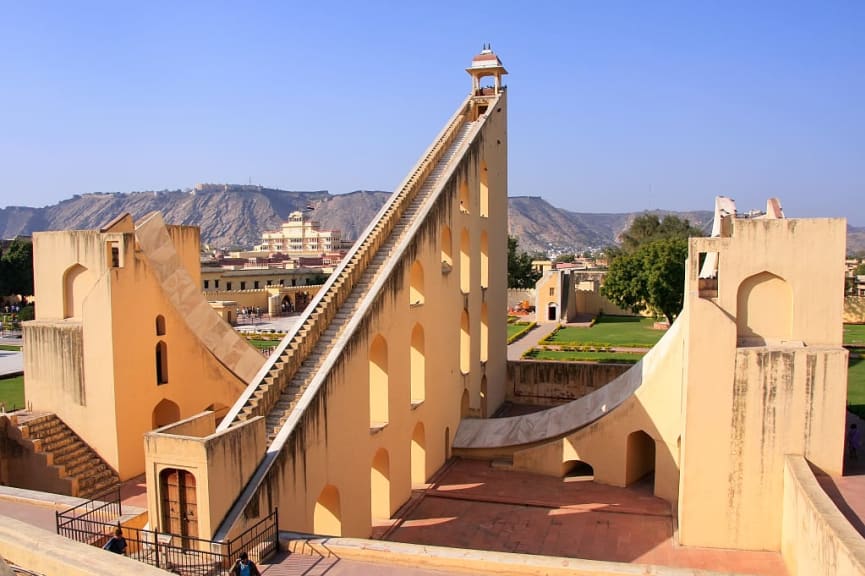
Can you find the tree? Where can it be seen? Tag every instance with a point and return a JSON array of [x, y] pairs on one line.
[[648, 271], [16, 268], [648, 227], [859, 270], [520, 271], [651, 277], [568, 258]]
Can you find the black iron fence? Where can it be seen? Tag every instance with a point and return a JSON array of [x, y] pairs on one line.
[[95, 521]]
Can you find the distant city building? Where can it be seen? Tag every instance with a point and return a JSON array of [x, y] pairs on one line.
[[299, 236]]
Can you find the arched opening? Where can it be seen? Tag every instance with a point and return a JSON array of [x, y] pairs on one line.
[[418, 455], [464, 197], [286, 307], [418, 365], [640, 454], [465, 404], [485, 260], [178, 503], [165, 413], [552, 312], [578, 471], [764, 310], [485, 333], [161, 363], [76, 282], [379, 485], [447, 249], [465, 262], [484, 191], [447, 443], [327, 517], [484, 413], [160, 325], [416, 288], [378, 383], [465, 343]]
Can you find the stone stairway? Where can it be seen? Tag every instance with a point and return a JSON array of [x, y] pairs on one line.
[[67, 452], [295, 384]]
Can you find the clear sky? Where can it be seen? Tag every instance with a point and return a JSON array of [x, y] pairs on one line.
[[613, 106]]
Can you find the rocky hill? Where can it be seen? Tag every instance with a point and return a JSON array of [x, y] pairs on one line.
[[236, 215]]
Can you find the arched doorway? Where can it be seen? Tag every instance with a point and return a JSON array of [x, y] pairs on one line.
[[418, 455], [178, 503], [327, 516], [165, 413], [465, 404], [578, 471], [640, 456], [379, 485], [552, 312], [764, 310]]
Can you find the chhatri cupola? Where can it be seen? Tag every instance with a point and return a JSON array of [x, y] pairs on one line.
[[486, 64]]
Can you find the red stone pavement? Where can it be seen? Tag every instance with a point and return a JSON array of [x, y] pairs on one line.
[[473, 505]]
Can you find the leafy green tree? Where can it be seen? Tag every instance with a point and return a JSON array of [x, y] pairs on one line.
[[520, 272], [649, 227], [16, 268], [859, 270], [650, 278], [569, 258], [648, 271]]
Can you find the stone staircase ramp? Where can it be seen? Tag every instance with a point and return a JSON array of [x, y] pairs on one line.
[[67, 452]]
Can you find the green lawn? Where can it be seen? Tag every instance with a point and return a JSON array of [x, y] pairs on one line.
[[856, 385], [12, 392], [571, 356], [264, 343], [621, 331], [854, 334], [10, 348]]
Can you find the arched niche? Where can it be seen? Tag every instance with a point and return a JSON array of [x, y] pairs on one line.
[[416, 285], [465, 262], [764, 310], [417, 360], [327, 516], [465, 342], [446, 248], [485, 333], [77, 281], [165, 413], [640, 456], [160, 325], [378, 382], [577, 470], [379, 485], [484, 190], [418, 455], [485, 260], [465, 200]]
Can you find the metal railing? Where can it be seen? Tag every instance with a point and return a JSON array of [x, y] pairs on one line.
[[94, 523]]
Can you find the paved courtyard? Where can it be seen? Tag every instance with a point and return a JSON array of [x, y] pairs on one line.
[[474, 505]]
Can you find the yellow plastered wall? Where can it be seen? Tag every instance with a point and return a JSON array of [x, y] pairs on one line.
[[782, 392], [96, 369], [359, 470]]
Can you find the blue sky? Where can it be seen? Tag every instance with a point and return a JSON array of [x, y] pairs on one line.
[[613, 106]]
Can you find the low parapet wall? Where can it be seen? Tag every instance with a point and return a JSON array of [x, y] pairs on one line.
[[816, 539], [44, 552], [553, 383]]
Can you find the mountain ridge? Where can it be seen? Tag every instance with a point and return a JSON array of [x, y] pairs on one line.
[[236, 216]]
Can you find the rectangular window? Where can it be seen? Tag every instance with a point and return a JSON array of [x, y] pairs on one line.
[[256, 285], [206, 284], [216, 284], [269, 282], [228, 285], [552, 291], [243, 285]]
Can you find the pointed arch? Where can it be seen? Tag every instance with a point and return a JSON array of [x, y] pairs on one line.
[[378, 382], [418, 364], [764, 309], [485, 260], [640, 456], [416, 284], [160, 325], [379, 485], [446, 248], [465, 343], [165, 413], [418, 455], [465, 404], [465, 262], [484, 190], [485, 333], [161, 363], [76, 284], [484, 396], [327, 516]]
